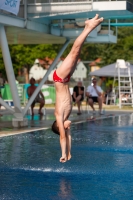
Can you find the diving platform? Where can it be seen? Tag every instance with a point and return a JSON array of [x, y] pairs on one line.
[[51, 22], [78, 9]]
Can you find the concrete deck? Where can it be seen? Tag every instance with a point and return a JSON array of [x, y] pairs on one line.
[[44, 122]]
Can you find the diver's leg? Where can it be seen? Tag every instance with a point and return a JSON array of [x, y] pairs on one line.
[[69, 64]]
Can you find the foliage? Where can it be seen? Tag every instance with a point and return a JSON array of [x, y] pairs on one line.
[[111, 52], [26, 54]]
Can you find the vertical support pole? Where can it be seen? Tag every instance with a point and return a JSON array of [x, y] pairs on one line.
[[45, 77], [109, 29], [61, 27], [25, 9], [25, 13], [109, 26], [116, 29], [9, 69], [119, 86]]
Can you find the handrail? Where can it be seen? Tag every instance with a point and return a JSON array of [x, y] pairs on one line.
[[50, 1]]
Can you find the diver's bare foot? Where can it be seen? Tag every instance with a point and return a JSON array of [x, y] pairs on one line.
[[94, 22], [63, 159], [40, 113]]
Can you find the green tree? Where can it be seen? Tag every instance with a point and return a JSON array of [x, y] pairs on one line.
[[26, 54]]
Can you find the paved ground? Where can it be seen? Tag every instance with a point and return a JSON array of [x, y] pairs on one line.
[[37, 123]]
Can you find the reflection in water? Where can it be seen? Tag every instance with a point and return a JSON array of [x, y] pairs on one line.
[[65, 191]]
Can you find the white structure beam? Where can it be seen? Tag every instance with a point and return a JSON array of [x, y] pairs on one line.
[[66, 10], [8, 20], [9, 69], [59, 7], [103, 39], [71, 33], [110, 6]]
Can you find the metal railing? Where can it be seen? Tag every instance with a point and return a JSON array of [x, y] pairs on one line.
[[51, 1]]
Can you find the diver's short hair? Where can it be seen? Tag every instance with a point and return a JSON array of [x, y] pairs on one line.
[[55, 129]]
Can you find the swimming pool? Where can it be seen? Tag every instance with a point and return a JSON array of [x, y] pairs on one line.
[[101, 166]]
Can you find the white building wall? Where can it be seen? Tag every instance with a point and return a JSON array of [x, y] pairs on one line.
[[80, 72]]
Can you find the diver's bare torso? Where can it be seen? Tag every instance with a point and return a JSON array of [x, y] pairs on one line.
[[63, 100]]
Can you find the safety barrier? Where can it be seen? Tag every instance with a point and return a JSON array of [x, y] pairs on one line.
[[47, 90]]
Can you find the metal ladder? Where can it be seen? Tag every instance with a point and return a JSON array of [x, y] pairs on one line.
[[122, 85]]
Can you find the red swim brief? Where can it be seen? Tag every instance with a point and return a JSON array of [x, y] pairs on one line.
[[56, 78]]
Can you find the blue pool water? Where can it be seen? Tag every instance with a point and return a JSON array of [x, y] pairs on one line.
[[101, 167]]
